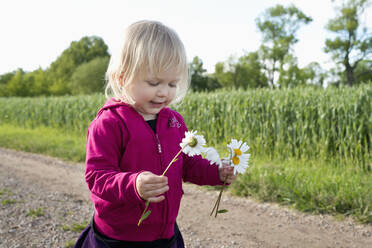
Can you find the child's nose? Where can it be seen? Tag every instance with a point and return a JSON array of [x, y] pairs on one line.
[[162, 91]]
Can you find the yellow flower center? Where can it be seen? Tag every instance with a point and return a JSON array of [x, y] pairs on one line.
[[192, 142], [235, 160], [237, 152]]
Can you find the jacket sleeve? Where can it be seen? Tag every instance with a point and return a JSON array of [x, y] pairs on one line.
[[196, 169], [104, 149], [199, 171]]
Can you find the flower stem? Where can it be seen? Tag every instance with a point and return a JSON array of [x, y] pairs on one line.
[[173, 160], [219, 200], [144, 211], [217, 204]]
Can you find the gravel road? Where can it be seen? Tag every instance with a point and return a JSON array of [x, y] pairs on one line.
[[43, 199]]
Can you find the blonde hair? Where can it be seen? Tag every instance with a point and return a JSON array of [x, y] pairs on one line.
[[148, 47]]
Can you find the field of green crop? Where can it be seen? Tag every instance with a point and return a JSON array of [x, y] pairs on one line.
[[333, 124], [311, 148]]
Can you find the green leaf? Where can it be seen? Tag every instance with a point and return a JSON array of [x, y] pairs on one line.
[[222, 211], [144, 217]]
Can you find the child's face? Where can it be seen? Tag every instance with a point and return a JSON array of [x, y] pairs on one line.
[[152, 93]]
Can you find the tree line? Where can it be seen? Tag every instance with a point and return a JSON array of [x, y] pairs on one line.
[[81, 67]]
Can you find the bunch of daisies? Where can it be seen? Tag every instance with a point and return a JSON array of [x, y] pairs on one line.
[[193, 144]]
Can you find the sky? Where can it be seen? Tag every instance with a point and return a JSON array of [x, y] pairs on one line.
[[34, 33]]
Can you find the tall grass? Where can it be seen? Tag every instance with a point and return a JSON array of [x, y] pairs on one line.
[[334, 124], [301, 123]]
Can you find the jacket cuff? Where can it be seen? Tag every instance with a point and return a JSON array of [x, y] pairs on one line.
[[133, 194], [216, 176]]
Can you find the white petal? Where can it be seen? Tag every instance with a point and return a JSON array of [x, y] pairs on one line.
[[213, 156], [191, 151], [241, 169], [244, 147]]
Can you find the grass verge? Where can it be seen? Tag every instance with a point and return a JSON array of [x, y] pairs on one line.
[[48, 141], [313, 186], [310, 186]]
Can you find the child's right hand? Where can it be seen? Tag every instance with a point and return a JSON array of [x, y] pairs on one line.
[[150, 187]]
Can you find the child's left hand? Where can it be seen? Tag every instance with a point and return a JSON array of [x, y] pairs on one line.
[[226, 173]]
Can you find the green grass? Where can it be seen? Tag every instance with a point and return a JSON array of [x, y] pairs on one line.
[[5, 191], [48, 141], [35, 212], [75, 227], [310, 186], [302, 122], [313, 186], [70, 243], [8, 201]]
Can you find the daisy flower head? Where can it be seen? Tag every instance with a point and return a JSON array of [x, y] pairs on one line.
[[193, 144], [212, 155], [239, 159]]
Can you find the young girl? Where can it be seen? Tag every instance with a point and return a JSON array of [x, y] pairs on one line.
[[133, 139]]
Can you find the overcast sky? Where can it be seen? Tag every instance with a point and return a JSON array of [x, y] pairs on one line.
[[34, 33]]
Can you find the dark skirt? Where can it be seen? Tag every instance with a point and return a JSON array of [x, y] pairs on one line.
[[91, 238]]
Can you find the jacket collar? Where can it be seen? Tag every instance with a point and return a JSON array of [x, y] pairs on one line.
[[113, 103]]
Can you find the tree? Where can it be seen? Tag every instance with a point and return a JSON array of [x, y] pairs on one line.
[[199, 80], [41, 83], [352, 42], [19, 85], [89, 77], [290, 75], [279, 25], [250, 73], [363, 72], [4, 80], [243, 72], [315, 74], [79, 52]]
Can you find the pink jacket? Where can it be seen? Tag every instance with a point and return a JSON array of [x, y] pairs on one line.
[[120, 145]]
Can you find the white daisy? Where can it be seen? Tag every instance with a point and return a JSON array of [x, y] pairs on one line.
[[193, 144], [235, 144], [239, 159], [212, 155]]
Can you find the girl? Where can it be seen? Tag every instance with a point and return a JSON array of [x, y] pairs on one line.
[[133, 139]]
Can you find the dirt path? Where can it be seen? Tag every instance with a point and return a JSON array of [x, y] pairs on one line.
[[31, 184]]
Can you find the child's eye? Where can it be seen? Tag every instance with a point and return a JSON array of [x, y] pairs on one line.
[[152, 83], [173, 85]]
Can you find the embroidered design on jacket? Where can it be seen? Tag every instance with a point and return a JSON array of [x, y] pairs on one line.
[[173, 122]]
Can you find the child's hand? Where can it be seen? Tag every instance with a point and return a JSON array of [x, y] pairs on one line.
[[150, 186], [226, 173]]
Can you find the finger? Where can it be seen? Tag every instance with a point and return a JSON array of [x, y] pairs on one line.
[[152, 186], [232, 178], [227, 172], [156, 199], [154, 179], [155, 192]]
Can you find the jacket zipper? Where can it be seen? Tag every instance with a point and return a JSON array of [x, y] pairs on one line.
[[161, 163], [158, 141]]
